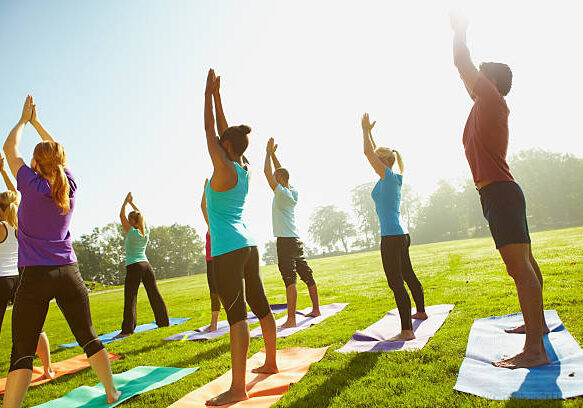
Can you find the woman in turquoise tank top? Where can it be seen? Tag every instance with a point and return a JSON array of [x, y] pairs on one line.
[[235, 255], [138, 269], [395, 240]]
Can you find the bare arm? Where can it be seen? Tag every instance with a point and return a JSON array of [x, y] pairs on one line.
[[400, 162], [43, 133], [122, 215], [267, 170], [13, 156], [203, 203], [461, 54], [276, 162], [221, 120], [5, 176], [375, 162]]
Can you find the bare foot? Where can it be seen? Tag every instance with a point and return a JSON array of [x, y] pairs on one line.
[[113, 398], [227, 397], [314, 313], [122, 335], [49, 374], [403, 336], [522, 329], [523, 360], [420, 316], [210, 329], [266, 369], [287, 324]]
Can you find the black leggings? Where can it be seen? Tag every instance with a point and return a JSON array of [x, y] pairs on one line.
[[8, 285], [210, 277], [136, 273], [291, 260], [398, 268], [238, 280], [38, 285]]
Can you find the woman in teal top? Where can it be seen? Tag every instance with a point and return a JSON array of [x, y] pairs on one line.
[[395, 240], [138, 269], [236, 259]]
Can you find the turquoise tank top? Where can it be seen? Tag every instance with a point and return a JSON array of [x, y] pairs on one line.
[[225, 214], [135, 245], [386, 195]]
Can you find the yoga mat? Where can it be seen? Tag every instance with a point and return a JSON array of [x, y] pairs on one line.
[[264, 390], [109, 337], [133, 382], [488, 342], [302, 321], [60, 368], [222, 327], [373, 337]]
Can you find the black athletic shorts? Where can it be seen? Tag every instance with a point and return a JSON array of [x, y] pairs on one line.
[[504, 206]]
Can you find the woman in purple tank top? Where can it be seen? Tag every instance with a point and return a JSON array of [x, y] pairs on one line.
[[48, 262]]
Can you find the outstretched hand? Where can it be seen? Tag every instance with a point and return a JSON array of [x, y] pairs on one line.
[[211, 82], [458, 22], [2, 164], [129, 197], [27, 110], [366, 125], [270, 146], [33, 117]]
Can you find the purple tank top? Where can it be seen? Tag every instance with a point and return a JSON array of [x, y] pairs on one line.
[[43, 233]]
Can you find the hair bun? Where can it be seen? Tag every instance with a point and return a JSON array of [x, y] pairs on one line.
[[245, 129]]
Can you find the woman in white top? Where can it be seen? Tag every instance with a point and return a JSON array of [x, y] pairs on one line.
[[9, 276]]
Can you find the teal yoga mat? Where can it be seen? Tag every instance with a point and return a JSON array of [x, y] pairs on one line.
[[133, 382]]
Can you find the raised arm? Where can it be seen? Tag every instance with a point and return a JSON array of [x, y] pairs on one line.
[[461, 54], [122, 214], [43, 133], [13, 156], [267, 170], [5, 176], [276, 162], [221, 120], [203, 203], [400, 162], [369, 150]]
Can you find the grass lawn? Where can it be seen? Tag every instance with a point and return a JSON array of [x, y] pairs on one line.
[[468, 273]]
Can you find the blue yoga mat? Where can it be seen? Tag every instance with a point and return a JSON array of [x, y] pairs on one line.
[[109, 337], [133, 382], [488, 342]]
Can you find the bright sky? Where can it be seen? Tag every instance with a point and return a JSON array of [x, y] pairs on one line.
[[120, 85]]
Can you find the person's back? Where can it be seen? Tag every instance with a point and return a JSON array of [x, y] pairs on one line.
[[8, 252], [283, 206], [135, 245], [386, 195]]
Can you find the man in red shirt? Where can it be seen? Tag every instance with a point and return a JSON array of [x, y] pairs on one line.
[[486, 142]]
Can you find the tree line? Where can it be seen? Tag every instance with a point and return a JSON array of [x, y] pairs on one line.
[[551, 183]]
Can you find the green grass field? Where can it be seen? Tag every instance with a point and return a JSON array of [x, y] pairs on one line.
[[467, 273]]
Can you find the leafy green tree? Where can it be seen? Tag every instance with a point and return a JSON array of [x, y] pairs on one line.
[[330, 226], [270, 253], [364, 209]]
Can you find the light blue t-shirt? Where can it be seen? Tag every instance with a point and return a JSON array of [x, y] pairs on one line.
[[225, 214], [282, 212], [135, 246], [386, 195]]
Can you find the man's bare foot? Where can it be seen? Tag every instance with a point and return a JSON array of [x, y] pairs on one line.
[[523, 360], [210, 329], [122, 335], [113, 398], [48, 374], [522, 329], [287, 324], [403, 336], [420, 316], [314, 313], [266, 369], [228, 397]]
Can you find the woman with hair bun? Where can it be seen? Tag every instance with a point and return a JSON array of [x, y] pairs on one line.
[[45, 254], [395, 240], [234, 251], [138, 269]]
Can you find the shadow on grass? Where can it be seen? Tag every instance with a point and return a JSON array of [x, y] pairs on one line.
[[205, 355], [357, 367]]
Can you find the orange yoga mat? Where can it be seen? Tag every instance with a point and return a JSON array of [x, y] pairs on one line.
[[60, 368], [264, 390]]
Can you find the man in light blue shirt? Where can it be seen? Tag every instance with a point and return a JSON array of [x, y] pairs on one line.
[[290, 249]]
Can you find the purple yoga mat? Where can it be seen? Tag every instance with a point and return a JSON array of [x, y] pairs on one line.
[[302, 321], [222, 327], [372, 338]]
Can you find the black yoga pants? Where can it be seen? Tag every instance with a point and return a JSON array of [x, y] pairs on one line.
[[398, 268], [238, 281], [8, 285], [291, 262], [136, 273], [38, 285], [210, 277]]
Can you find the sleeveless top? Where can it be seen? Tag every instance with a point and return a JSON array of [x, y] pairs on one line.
[[8, 252], [135, 245], [225, 214], [387, 199]]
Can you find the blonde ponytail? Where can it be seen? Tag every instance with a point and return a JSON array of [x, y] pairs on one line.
[[51, 159], [138, 218], [9, 204]]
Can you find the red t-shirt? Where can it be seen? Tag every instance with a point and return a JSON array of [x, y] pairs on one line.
[[486, 134], [208, 247]]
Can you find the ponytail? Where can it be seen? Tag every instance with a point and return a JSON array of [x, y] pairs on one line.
[[51, 159], [9, 204], [138, 218], [60, 190]]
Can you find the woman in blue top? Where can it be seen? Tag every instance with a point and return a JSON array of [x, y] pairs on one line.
[[236, 259], [395, 240], [138, 269]]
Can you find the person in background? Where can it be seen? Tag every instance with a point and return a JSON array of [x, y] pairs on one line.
[[210, 275]]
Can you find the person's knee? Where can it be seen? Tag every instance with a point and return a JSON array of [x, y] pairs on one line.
[[93, 346], [308, 278]]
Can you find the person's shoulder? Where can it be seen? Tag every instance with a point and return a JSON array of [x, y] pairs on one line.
[[27, 179]]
